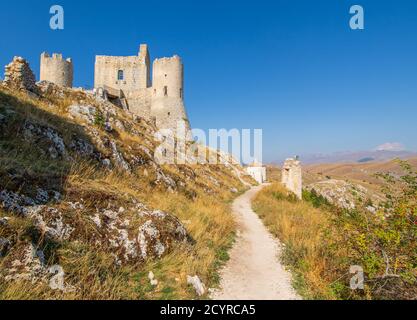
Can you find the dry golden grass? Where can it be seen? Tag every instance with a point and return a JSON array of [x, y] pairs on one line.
[[94, 274], [212, 227], [301, 228], [208, 220], [274, 173]]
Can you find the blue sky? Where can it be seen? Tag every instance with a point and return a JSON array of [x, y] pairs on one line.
[[293, 67]]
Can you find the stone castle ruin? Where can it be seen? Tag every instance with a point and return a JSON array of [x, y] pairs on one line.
[[159, 97], [155, 93], [292, 176]]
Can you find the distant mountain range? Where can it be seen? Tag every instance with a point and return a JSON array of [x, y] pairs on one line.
[[355, 157], [359, 156]]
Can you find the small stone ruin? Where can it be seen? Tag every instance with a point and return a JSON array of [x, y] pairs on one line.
[[292, 176], [18, 75]]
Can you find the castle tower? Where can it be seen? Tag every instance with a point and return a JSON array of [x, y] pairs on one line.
[[56, 69], [292, 177], [168, 93]]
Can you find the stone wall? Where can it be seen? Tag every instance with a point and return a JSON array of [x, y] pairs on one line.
[[292, 177], [168, 112], [18, 75], [140, 102], [57, 70]]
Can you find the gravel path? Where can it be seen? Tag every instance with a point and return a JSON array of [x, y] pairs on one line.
[[254, 271]]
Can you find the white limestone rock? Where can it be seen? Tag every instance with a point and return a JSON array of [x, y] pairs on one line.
[[197, 285], [84, 112]]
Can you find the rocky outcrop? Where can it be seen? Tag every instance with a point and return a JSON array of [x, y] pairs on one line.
[[131, 234], [345, 194], [86, 113], [38, 134], [18, 75], [4, 246]]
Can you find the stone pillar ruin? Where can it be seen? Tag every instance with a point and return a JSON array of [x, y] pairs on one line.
[[292, 176], [18, 75]]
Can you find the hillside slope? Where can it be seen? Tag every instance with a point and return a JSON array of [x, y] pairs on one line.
[[362, 172], [82, 196]]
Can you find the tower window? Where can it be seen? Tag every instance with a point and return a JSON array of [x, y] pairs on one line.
[[120, 75], [181, 93], [165, 91]]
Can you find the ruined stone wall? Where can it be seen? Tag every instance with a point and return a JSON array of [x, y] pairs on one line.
[[18, 75], [292, 177], [146, 58], [168, 92], [57, 70]]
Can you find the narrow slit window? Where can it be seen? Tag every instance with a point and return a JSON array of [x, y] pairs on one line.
[[165, 91], [120, 75], [181, 93]]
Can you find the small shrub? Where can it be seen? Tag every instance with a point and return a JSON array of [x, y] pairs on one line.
[[99, 119]]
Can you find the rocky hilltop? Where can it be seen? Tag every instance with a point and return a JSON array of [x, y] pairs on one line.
[[78, 179]]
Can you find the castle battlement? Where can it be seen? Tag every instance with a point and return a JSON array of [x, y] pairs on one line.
[[111, 59], [55, 56], [167, 59]]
